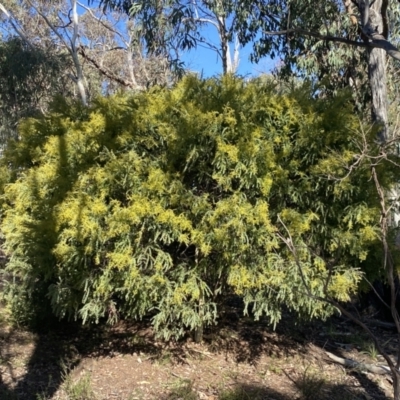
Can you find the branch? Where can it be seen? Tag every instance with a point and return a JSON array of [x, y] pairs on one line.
[[111, 29], [104, 71], [290, 245], [361, 324], [376, 40], [382, 324], [51, 26], [379, 41], [375, 369], [201, 20], [376, 293], [364, 6], [201, 42]]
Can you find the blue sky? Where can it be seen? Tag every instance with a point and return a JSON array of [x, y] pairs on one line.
[[207, 62]]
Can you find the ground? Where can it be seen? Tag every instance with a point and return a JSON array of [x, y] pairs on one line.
[[238, 360]]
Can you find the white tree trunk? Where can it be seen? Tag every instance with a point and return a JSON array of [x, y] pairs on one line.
[[373, 20], [80, 81]]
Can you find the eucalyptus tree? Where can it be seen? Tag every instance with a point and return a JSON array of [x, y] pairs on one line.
[[294, 29], [62, 22], [169, 27], [111, 46], [103, 48]]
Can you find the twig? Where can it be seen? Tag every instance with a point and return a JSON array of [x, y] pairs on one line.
[[375, 291], [200, 352]]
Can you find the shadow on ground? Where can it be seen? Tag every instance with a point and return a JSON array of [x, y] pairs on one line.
[[310, 390], [62, 348]]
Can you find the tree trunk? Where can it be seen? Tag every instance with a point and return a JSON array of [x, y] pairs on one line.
[[225, 55], [377, 81], [198, 334], [373, 19], [396, 386], [80, 81]]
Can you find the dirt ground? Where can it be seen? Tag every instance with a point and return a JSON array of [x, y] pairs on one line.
[[239, 360]]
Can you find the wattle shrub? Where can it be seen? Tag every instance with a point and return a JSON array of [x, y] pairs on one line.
[[164, 202]]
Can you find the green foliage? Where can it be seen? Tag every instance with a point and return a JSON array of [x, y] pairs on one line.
[[165, 26], [28, 304], [164, 202], [29, 77]]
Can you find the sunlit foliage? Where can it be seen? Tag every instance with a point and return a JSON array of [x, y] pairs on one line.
[[164, 202]]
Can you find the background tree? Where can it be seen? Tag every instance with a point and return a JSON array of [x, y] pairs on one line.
[[29, 78], [169, 27], [111, 46], [107, 43], [44, 52], [293, 28], [51, 16]]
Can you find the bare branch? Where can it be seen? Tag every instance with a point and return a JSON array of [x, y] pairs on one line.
[[106, 72], [202, 20], [376, 40], [376, 293], [375, 369], [51, 26], [104, 25]]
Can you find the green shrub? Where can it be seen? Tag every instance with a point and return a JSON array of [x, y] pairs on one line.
[[165, 201], [29, 306]]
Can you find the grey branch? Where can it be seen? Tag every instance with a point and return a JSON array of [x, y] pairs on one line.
[[375, 369], [106, 72], [376, 40]]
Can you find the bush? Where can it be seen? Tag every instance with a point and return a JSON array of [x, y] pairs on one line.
[[165, 201]]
